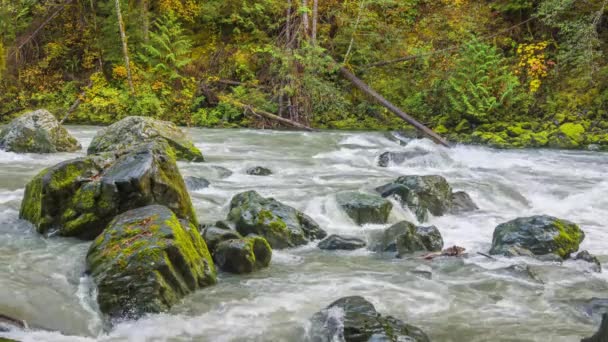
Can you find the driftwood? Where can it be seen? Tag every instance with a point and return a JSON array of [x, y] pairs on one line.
[[357, 82], [268, 115]]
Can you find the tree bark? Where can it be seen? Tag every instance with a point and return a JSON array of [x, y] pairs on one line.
[[305, 20], [315, 19], [145, 20], [357, 82], [125, 47]]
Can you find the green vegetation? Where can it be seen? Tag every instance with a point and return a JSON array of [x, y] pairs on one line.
[[509, 73]]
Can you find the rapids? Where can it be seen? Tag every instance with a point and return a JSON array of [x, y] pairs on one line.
[[467, 299]]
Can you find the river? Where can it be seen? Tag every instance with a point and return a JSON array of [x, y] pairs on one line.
[[466, 299]]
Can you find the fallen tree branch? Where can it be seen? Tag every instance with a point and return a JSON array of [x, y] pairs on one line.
[[76, 104], [268, 115]]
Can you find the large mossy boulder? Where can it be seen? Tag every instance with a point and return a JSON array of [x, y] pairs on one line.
[[243, 255], [364, 208], [405, 238], [135, 130], [146, 260], [427, 194], [79, 197], [37, 132], [354, 319], [537, 235], [281, 225]]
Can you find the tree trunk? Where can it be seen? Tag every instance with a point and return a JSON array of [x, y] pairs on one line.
[[315, 19], [305, 21], [125, 48], [145, 20], [357, 82]]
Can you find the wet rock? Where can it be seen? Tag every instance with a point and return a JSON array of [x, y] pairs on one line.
[[214, 235], [146, 260], [79, 197], [462, 202], [37, 132], [341, 242], [405, 237], [364, 208], [258, 171], [596, 306], [397, 158], [423, 194], [195, 183], [135, 130], [540, 235], [8, 323], [602, 334], [281, 225], [354, 319], [243, 255], [590, 258]]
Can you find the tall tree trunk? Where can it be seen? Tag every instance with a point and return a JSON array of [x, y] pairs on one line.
[[145, 14], [305, 20], [125, 47], [315, 19]]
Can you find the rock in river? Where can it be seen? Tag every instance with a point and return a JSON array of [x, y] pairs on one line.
[[134, 130], [343, 242], [539, 235], [79, 197], [602, 334], [388, 158], [281, 225], [196, 183], [37, 132], [405, 238], [146, 260], [354, 319], [258, 171], [243, 255], [364, 208]]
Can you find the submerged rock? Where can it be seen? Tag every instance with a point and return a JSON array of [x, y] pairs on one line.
[[596, 266], [281, 225], [146, 260], [424, 194], [343, 242], [135, 130], [354, 319], [8, 323], [243, 255], [364, 208], [195, 183], [538, 235], [79, 197], [37, 132], [258, 171], [602, 334], [397, 158], [405, 238]]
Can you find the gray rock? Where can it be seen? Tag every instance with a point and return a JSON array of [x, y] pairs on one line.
[[214, 235], [590, 258], [540, 235], [281, 225], [602, 334], [243, 255], [8, 323], [397, 158], [354, 319], [404, 238], [146, 260], [258, 171], [343, 242], [462, 202], [37, 132], [364, 208], [196, 183], [135, 130]]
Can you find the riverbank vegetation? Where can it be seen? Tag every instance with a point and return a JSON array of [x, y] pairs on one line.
[[509, 73]]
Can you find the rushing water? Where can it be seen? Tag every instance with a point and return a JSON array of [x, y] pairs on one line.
[[467, 299]]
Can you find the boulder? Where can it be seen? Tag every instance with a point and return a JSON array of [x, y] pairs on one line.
[[354, 319], [79, 197], [405, 238], [146, 260], [37, 132], [135, 130], [462, 202], [258, 171], [213, 235], [364, 208], [281, 225], [8, 323], [538, 235], [424, 194], [397, 158], [195, 183], [596, 266], [343, 242], [602, 334], [243, 255]]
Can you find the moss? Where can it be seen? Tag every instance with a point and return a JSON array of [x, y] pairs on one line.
[[31, 206], [568, 239], [64, 176], [441, 129], [77, 226], [573, 131]]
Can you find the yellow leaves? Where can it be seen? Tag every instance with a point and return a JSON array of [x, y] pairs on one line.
[[533, 63], [119, 72], [186, 9], [158, 85]]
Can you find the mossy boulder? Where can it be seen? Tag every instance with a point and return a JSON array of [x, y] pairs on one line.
[[146, 260], [354, 319], [364, 208], [426, 194], [135, 130], [37, 132], [243, 255], [258, 171], [569, 135], [341, 242], [79, 197], [281, 225], [405, 238], [538, 235], [213, 235]]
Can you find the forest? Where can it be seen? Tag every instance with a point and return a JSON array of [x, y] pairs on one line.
[[506, 73]]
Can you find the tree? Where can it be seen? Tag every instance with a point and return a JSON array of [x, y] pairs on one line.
[[125, 47]]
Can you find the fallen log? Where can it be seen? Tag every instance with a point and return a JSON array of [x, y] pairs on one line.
[[268, 115]]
